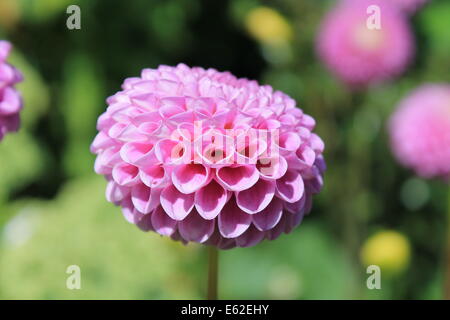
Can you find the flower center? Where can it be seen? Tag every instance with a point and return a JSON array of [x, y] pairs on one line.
[[368, 39]]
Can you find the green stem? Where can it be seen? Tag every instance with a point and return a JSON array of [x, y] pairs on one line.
[[447, 254], [213, 266]]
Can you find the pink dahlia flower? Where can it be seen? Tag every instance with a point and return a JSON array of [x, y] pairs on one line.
[[10, 100], [200, 155], [360, 55], [420, 131]]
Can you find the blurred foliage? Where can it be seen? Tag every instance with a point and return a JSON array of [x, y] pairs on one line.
[[80, 228], [52, 208]]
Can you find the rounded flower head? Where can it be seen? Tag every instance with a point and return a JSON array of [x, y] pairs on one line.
[[359, 50], [10, 100], [200, 155], [420, 131]]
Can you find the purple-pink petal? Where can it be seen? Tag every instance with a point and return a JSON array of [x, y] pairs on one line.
[[233, 221], [144, 199], [290, 187], [195, 228], [188, 178], [177, 205], [269, 217], [238, 178], [162, 223], [250, 238], [256, 198], [210, 200]]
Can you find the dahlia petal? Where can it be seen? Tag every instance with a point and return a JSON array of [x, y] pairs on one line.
[[166, 150], [214, 148], [10, 99], [210, 200], [320, 163], [11, 102], [153, 176], [144, 222], [101, 142], [146, 100], [5, 49], [226, 244], [237, 178], [171, 106], [294, 220], [250, 238], [137, 153], [144, 199], [248, 153], [128, 211], [315, 184], [233, 221], [177, 237], [149, 128], [316, 143], [125, 174], [272, 167], [304, 158], [289, 141], [290, 187], [308, 203], [106, 160], [185, 130], [116, 193], [256, 198], [133, 133], [183, 117], [269, 217], [169, 86], [146, 117], [162, 223], [276, 231], [297, 206], [195, 228], [189, 178], [176, 204], [308, 121]]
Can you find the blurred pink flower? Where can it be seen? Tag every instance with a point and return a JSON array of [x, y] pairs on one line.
[[170, 146], [409, 6], [360, 55], [420, 131], [10, 100]]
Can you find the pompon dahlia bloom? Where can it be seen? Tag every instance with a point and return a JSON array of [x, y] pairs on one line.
[[360, 55], [200, 155], [420, 131], [10, 100]]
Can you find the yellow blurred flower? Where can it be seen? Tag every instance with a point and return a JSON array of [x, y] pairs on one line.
[[9, 13], [268, 26], [390, 250]]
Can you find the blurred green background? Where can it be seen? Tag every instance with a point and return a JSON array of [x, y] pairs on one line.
[[53, 212]]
